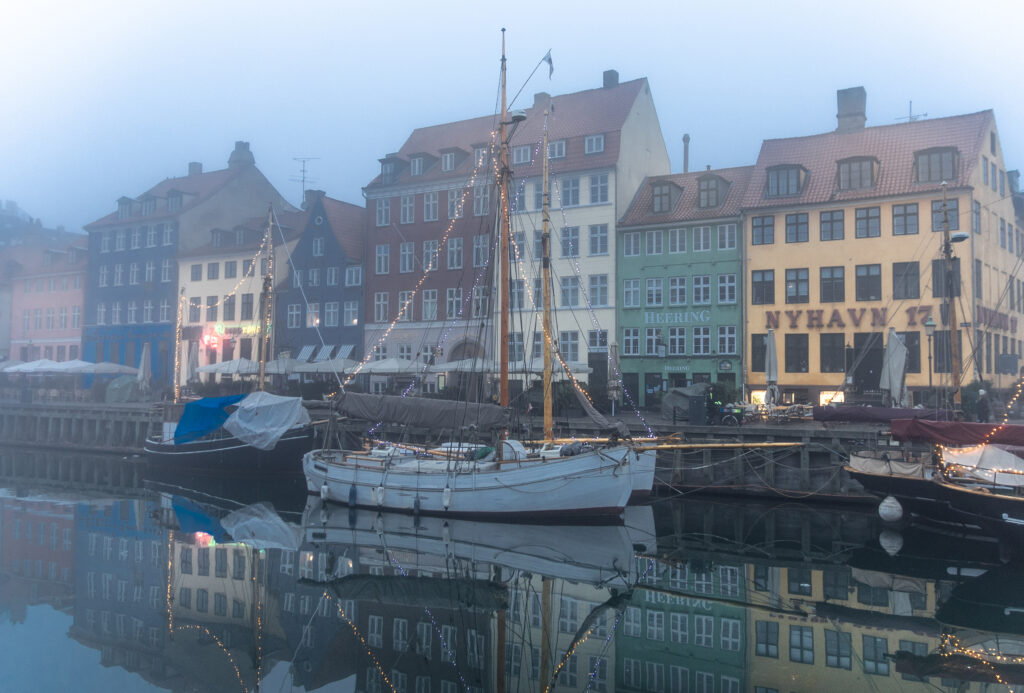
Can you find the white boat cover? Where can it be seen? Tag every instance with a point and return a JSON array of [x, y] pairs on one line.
[[261, 419], [874, 464], [996, 464], [260, 527]]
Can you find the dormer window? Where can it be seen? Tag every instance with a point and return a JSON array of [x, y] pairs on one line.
[[174, 201], [218, 239], [239, 236], [556, 150], [448, 161], [148, 207], [661, 198], [387, 172], [858, 173], [711, 191], [416, 166], [785, 180], [936, 165], [124, 209], [593, 144], [480, 155]]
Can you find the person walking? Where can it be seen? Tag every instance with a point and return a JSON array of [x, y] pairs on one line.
[[983, 408]]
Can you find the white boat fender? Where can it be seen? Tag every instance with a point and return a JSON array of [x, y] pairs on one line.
[[351, 495], [379, 496], [323, 491], [890, 509], [323, 515], [891, 541], [446, 537], [446, 496]]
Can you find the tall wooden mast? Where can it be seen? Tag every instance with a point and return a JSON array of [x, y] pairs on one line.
[[545, 236], [952, 291], [503, 238], [267, 299]]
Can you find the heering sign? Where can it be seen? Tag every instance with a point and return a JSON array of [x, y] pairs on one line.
[[683, 317]]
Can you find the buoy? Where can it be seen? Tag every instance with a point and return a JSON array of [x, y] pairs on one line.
[[323, 491], [890, 509], [891, 541]]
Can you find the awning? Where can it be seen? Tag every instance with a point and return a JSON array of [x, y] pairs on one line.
[[344, 351], [306, 352], [324, 353]]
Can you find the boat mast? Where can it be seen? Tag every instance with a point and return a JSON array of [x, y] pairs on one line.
[[545, 237], [266, 299], [503, 240], [952, 292]]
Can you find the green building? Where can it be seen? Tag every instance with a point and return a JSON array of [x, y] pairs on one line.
[[680, 300]]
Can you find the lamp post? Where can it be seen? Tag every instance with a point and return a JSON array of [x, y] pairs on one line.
[[929, 329]]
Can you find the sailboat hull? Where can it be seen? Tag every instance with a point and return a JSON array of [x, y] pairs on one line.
[[229, 454], [597, 483]]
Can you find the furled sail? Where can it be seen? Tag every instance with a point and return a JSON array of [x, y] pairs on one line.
[[427, 413]]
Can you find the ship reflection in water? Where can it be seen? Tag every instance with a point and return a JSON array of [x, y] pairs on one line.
[[169, 588]]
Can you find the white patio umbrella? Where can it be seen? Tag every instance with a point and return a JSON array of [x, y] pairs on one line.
[[390, 366], [108, 368], [473, 365], [145, 375], [232, 367], [72, 366], [4, 365], [38, 366], [894, 363], [771, 370], [281, 366], [330, 366]]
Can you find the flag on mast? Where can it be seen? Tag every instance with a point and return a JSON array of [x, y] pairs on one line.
[[551, 65]]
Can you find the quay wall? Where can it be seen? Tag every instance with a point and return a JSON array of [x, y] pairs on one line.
[[102, 428]]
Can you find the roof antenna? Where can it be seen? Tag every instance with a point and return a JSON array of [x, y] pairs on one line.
[[911, 116], [303, 176]]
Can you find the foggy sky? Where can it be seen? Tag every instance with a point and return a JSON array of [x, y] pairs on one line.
[[106, 99]]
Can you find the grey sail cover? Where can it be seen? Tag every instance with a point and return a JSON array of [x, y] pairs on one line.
[[426, 413]]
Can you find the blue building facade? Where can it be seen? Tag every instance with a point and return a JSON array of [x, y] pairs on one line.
[[319, 308]]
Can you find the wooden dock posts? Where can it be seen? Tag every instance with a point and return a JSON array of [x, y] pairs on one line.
[[94, 427]]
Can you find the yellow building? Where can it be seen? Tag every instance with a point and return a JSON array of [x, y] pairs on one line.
[[844, 240]]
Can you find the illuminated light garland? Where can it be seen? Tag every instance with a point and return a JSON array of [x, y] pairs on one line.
[[565, 658], [220, 644], [950, 646]]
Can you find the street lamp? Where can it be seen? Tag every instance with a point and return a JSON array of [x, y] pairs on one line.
[[929, 329]]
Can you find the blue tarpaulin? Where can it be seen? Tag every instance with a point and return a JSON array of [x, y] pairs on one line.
[[203, 416]]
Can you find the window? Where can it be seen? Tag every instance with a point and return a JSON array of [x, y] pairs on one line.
[[448, 161], [727, 288], [194, 309], [598, 188], [762, 287], [796, 228], [676, 291], [630, 293], [119, 237], [313, 276], [453, 303], [521, 155], [702, 290], [380, 306], [481, 250], [330, 314], [247, 307], [799, 581], [653, 336], [570, 190], [294, 313], [416, 166], [856, 174], [570, 292], [383, 259], [832, 284], [707, 192], [570, 238], [937, 165], [654, 242], [701, 239], [832, 225], [952, 216], [556, 150], [568, 346], [597, 340], [676, 341], [598, 291], [631, 672], [729, 638], [631, 244], [869, 282], [701, 340], [599, 239], [762, 230], [631, 341], [727, 236], [703, 631], [130, 319], [767, 639], [904, 219], [383, 212], [801, 644], [353, 275], [796, 353], [676, 241], [430, 255], [661, 196], [165, 312], [832, 353], [868, 222], [837, 649], [481, 301], [351, 314], [593, 144], [783, 181], [406, 213], [905, 280], [797, 285], [876, 651], [332, 276], [481, 200], [727, 339], [406, 252], [430, 206], [454, 253], [296, 279]]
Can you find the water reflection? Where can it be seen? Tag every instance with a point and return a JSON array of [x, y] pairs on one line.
[[195, 591]]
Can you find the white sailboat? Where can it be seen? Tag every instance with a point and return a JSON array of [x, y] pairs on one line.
[[582, 480]]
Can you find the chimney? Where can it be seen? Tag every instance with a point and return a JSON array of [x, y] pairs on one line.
[[195, 168], [686, 153], [1014, 180], [541, 100], [309, 197], [852, 106], [241, 156], [611, 78]]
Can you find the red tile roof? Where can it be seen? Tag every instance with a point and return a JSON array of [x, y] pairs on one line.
[[348, 222], [573, 116], [292, 224], [894, 147], [686, 209]]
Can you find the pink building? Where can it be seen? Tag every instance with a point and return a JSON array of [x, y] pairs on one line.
[[47, 298]]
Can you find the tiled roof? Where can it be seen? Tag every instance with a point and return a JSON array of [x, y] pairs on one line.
[[686, 209], [194, 189], [292, 224], [348, 222], [894, 147], [590, 112]]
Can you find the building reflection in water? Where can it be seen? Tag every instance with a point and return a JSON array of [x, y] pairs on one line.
[[690, 595]]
